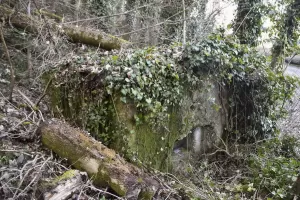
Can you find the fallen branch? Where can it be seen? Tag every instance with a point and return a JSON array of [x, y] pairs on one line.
[[75, 34], [103, 165], [44, 93], [57, 18]]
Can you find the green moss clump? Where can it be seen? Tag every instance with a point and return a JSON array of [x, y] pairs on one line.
[[146, 195], [66, 175]]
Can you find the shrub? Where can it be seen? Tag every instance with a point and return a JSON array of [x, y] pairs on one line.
[[275, 168]]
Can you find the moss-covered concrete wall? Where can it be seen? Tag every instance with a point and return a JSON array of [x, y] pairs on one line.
[[139, 104], [84, 106], [203, 108], [152, 146]]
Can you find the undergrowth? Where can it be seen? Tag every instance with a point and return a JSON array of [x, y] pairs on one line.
[[263, 170]]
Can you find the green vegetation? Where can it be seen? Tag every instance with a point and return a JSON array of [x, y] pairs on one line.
[[3, 160], [139, 99], [132, 101], [248, 21], [254, 90], [275, 168]]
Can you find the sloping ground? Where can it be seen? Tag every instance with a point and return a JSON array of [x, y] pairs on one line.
[[26, 169], [291, 124]]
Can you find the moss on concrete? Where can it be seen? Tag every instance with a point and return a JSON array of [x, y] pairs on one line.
[[152, 146], [137, 142], [85, 103]]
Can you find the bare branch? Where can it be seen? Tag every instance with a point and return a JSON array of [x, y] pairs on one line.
[[184, 23], [12, 70], [108, 16]]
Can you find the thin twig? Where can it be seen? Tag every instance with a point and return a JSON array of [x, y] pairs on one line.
[[35, 177], [184, 23], [14, 150], [294, 54], [104, 192], [108, 16], [44, 92], [243, 21], [27, 99], [29, 56], [21, 177], [115, 108], [158, 24]]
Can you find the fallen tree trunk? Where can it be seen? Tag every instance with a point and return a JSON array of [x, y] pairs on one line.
[[75, 34], [103, 165]]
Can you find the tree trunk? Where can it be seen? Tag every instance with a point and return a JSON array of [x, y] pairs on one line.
[[287, 36], [75, 34], [247, 26], [103, 165]]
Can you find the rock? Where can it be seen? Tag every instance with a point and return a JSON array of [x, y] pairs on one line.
[[20, 159], [293, 60], [13, 163], [5, 176]]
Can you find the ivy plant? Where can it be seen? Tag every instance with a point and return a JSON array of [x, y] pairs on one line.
[[155, 80]]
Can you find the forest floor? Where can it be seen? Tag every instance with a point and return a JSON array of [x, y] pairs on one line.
[[24, 163]]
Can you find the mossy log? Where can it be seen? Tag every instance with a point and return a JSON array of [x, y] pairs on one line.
[[75, 34], [103, 165]]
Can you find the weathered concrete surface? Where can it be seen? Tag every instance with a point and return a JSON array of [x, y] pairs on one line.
[[204, 109], [152, 145], [291, 124]]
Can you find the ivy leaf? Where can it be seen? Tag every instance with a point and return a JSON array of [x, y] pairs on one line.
[[176, 76], [148, 62], [123, 99], [148, 100], [124, 91], [108, 90], [134, 92], [139, 96], [138, 78], [196, 48]]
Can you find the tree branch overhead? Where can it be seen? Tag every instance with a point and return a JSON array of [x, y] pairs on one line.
[[75, 34]]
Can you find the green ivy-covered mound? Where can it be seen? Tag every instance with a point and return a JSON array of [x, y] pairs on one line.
[[136, 101], [127, 100]]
